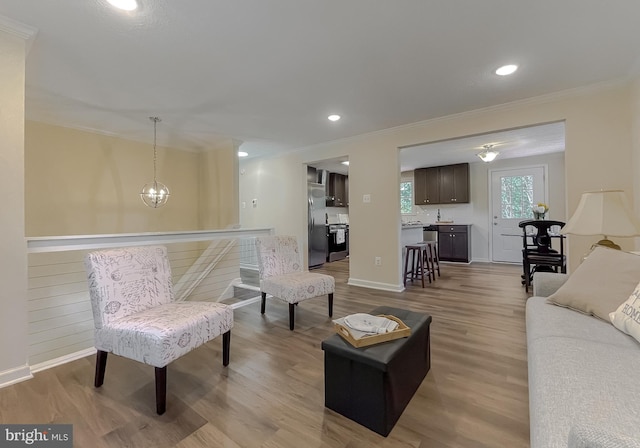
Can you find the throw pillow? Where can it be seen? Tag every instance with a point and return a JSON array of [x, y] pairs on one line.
[[627, 317], [601, 283]]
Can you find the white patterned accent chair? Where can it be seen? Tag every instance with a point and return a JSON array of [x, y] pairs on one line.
[[135, 314], [282, 274]]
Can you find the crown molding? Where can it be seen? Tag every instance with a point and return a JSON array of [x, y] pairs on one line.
[[18, 29]]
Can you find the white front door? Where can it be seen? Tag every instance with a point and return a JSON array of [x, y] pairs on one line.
[[513, 193]]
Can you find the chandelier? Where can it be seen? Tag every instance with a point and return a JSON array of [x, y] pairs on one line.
[[154, 194]]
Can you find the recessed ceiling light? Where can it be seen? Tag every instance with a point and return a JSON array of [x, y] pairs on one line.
[[506, 70], [242, 154], [346, 162], [126, 5], [334, 117]]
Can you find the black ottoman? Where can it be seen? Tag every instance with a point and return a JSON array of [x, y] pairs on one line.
[[372, 385]]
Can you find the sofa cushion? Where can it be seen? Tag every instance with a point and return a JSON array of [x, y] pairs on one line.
[[544, 320], [584, 436], [578, 382], [627, 317], [585, 290]]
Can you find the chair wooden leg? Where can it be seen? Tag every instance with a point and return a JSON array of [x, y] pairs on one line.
[[406, 267], [331, 305], [161, 389], [101, 366], [527, 276], [263, 303], [292, 312], [226, 344]]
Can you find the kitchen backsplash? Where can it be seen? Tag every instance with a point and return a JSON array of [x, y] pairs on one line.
[[334, 212], [462, 213]]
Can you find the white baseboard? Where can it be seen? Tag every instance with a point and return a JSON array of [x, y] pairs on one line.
[[16, 375], [375, 285], [245, 302], [63, 359]]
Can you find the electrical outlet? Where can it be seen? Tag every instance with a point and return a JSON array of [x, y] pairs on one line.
[[378, 261], [366, 198]]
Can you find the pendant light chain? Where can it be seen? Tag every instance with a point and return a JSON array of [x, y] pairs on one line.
[[155, 194], [155, 152]]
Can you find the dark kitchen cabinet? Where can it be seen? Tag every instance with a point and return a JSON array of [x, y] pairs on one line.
[[454, 183], [454, 243], [337, 190], [426, 186], [448, 184]]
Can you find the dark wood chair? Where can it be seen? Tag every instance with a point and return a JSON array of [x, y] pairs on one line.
[[537, 251]]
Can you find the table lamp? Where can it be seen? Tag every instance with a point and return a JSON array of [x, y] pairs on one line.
[[605, 212]]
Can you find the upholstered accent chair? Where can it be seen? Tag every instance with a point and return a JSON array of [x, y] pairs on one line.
[[135, 315], [282, 274]]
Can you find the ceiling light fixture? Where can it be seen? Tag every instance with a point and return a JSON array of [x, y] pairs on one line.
[[346, 162], [242, 154], [125, 5], [334, 117], [154, 194], [488, 154], [506, 70]]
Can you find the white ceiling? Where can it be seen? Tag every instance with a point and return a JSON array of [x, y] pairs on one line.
[[521, 142], [268, 72]]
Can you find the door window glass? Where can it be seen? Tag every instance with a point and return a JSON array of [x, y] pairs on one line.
[[516, 194]]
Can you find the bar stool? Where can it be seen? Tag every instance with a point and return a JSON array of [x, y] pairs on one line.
[[434, 257], [416, 269]]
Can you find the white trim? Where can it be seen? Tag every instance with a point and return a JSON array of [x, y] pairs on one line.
[[375, 285], [19, 29], [16, 375], [63, 359], [16, 28], [245, 302], [80, 242]]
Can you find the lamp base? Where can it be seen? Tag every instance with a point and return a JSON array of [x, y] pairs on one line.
[[607, 243]]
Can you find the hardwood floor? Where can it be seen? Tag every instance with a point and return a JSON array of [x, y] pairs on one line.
[[272, 392]]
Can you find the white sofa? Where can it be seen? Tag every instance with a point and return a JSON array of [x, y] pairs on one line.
[[584, 376]]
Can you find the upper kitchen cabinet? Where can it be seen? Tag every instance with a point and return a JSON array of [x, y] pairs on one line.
[[454, 183], [447, 184], [426, 186], [337, 190]]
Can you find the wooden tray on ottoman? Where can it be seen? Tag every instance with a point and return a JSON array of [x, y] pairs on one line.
[[401, 332]]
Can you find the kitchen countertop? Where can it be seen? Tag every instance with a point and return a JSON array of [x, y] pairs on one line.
[[427, 224]]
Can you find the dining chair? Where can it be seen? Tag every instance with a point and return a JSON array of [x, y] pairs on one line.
[[538, 252], [136, 316], [282, 275]]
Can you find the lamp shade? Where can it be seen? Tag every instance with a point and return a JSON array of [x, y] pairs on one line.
[[605, 213]]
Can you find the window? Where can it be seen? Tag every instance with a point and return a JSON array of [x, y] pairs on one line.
[[406, 198], [517, 197]]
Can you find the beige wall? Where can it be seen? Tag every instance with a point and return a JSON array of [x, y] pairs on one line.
[[13, 255], [80, 183], [218, 203], [598, 155]]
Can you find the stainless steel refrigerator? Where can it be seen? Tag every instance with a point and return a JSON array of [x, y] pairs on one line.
[[317, 224]]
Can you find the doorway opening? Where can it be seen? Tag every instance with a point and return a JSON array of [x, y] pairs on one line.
[[527, 146], [328, 211]]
